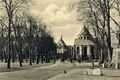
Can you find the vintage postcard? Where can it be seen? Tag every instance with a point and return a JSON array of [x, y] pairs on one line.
[[59, 39]]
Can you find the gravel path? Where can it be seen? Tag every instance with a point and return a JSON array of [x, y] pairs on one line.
[[78, 74], [56, 72], [39, 73]]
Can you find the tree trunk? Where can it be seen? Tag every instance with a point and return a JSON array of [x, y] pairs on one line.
[[9, 44], [30, 57], [109, 33], [20, 59]]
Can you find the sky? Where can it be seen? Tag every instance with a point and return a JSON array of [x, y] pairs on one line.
[[59, 19]]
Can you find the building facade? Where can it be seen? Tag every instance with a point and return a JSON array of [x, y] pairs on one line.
[[61, 49], [85, 46], [61, 46], [64, 52]]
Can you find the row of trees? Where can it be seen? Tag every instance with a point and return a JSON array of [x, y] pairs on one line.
[[22, 36], [98, 14]]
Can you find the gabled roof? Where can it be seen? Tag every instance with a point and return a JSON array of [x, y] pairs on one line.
[[85, 32], [61, 43], [84, 38], [79, 42]]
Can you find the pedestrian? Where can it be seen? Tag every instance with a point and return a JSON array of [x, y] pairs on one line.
[[65, 71]]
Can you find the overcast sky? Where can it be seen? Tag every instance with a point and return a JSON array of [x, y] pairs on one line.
[[60, 20]]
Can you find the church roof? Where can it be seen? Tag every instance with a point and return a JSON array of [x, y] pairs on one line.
[[61, 43], [84, 32], [84, 38], [83, 42]]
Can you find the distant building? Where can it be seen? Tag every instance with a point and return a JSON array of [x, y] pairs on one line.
[[64, 52], [61, 49], [85, 45], [61, 46]]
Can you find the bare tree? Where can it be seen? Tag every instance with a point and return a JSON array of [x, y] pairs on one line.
[[97, 13], [11, 8]]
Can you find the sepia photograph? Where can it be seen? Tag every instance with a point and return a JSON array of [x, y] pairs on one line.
[[59, 39]]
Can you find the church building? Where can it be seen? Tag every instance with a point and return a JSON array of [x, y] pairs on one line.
[[61, 49], [64, 52], [61, 46], [85, 46]]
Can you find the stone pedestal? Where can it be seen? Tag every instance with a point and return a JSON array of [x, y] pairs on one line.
[[103, 65], [116, 65], [97, 72]]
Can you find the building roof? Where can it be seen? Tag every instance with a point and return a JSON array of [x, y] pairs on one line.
[[83, 42], [84, 38], [61, 43], [84, 32]]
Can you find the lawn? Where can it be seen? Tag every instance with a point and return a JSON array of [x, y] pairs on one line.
[[56, 72], [78, 74], [15, 66], [37, 73]]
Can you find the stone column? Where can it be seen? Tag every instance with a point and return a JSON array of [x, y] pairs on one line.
[[76, 53], [80, 52], [88, 52]]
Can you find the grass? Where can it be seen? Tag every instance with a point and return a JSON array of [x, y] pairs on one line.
[[36, 73], [15, 66], [54, 72], [78, 74]]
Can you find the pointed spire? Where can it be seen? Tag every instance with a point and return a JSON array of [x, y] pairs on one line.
[[84, 32], [61, 37], [84, 28]]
